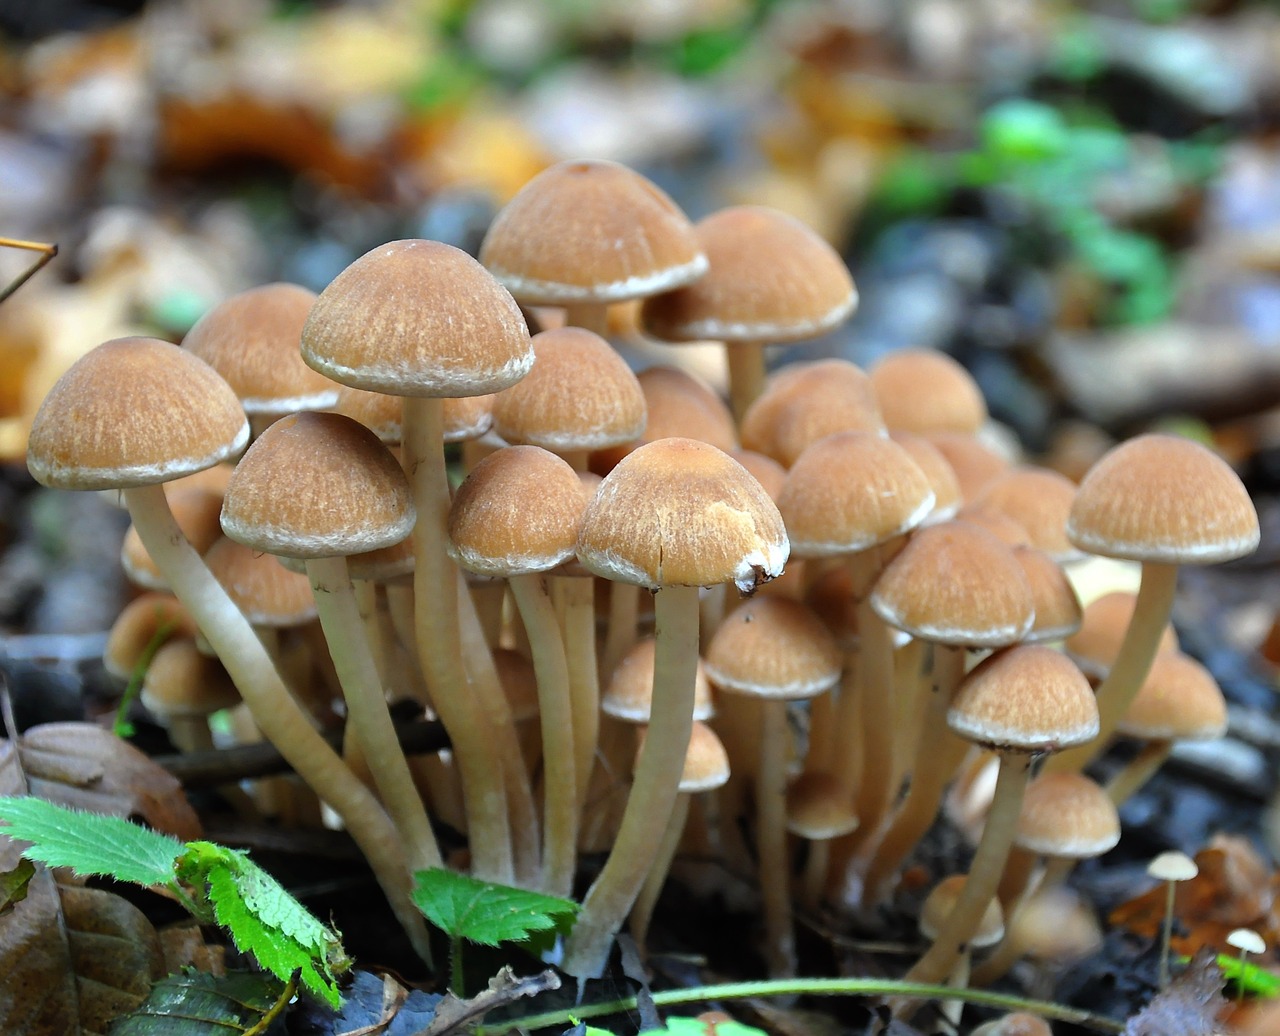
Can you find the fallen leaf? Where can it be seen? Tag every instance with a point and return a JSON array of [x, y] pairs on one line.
[[504, 988], [1189, 1007]]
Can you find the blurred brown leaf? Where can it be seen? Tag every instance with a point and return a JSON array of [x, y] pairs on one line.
[[1189, 1007]]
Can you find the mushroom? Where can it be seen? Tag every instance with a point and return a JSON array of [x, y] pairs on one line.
[[935, 911], [925, 392]]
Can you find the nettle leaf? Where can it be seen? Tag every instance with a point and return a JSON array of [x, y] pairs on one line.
[[197, 1004], [485, 913], [89, 843], [13, 884]]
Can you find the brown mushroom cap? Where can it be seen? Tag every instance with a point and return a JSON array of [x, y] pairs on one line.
[[1165, 499], [579, 395], [591, 231], [1057, 608], [136, 626], [773, 647], [180, 681], [974, 463], [1102, 628], [1178, 701], [817, 808], [196, 511], [317, 486], [266, 592], [680, 512], [802, 291], [418, 318], [937, 470], [955, 583], [134, 412], [1067, 815], [851, 491], [629, 692], [939, 903], [926, 391], [518, 512], [706, 763], [252, 339], [1026, 698], [1038, 500]]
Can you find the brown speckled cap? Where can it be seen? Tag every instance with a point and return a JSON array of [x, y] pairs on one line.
[[266, 592], [1164, 499], [926, 391], [1103, 624], [941, 476], [771, 279], [518, 511], [253, 339], [580, 395], [706, 763], [678, 512], [1040, 501], [773, 647], [591, 231], [629, 692], [941, 901], [134, 412], [974, 463], [1026, 698], [1178, 701], [1057, 608], [1067, 814], [317, 486], [418, 318]]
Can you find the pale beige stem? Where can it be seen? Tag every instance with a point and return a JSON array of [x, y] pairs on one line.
[[746, 375], [771, 839], [624, 610], [594, 316], [653, 793], [911, 685], [814, 880], [437, 637], [874, 789], [578, 617], [274, 710], [642, 912], [555, 708], [1140, 769]]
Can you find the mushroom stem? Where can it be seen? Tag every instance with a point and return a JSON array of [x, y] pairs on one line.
[[594, 316], [1133, 662], [624, 610], [814, 879], [653, 793], [642, 912], [984, 876], [745, 361], [437, 636], [579, 621], [771, 839], [555, 708], [274, 710], [873, 782], [367, 711], [1140, 769]]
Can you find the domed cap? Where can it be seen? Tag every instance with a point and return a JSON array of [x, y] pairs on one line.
[[196, 511], [518, 511], [817, 808], [180, 681], [1027, 698], [1165, 499], [974, 463], [1096, 644], [1178, 701], [1008, 531], [942, 900], [418, 318], [465, 417], [849, 492], [580, 395], [773, 647], [678, 512], [955, 584], [134, 412], [629, 693], [939, 473], [136, 626], [1069, 815], [801, 291], [765, 470], [706, 763], [1057, 608], [266, 592], [591, 231], [253, 340], [926, 391], [1040, 501], [317, 486]]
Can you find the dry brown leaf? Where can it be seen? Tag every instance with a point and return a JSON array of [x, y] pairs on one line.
[[72, 958], [1189, 1007], [83, 766]]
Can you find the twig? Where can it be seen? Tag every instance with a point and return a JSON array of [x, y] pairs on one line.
[[47, 252]]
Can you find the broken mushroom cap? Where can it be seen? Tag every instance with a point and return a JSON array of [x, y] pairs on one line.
[[678, 512], [134, 412]]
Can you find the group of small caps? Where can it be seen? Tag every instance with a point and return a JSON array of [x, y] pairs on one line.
[[510, 607]]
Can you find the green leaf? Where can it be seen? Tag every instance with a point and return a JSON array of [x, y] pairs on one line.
[[1252, 979], [691, 1027], [265, 920], [486, 913], [89, 843], [13, 885], [197, 1004]]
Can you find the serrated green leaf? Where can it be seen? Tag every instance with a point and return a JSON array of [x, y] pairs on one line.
[[89, 843], [14, 883], [274, 949], [197, 1004], [695, 1027], [485, 913], [1249, 977]]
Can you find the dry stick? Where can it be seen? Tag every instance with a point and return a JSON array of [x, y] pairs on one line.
[[555, 708], [642, 912], [653, 794], [367, 713], [274, 710], [745, 361], [771, 839], [984, 876], [526, 839], [938, 753], [577, 594], [1133, 662], [437, 638]]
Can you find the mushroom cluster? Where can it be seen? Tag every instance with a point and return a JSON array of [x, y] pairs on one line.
[[511, 607]]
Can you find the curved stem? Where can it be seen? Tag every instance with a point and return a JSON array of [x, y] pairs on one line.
[[367, 712], [437, 637], [653, 794], [555, 708], [1141, 641], [274, 710], [642, 912], [1140, 769]]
